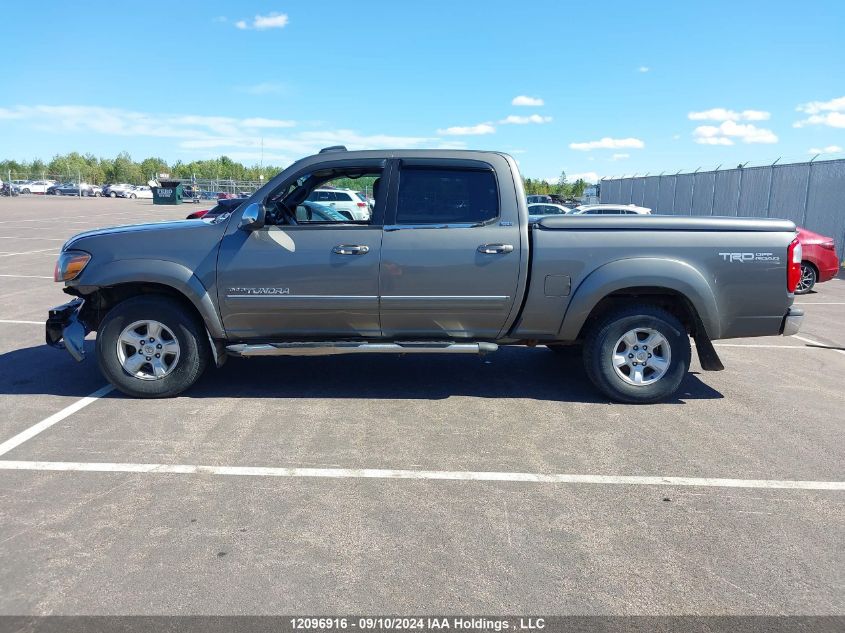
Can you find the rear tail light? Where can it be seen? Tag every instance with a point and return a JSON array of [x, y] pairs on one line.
[[828, 245], [794, 254], [362, 204]]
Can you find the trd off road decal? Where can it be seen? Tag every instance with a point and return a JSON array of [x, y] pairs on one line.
[[744, 258]]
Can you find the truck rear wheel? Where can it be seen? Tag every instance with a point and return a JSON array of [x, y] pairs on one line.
[[150, 346], [637, 354]]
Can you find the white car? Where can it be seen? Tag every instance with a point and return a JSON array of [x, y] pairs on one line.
[[610, 209], [37, 186], [137, 192], [547, 208], [347, 201]]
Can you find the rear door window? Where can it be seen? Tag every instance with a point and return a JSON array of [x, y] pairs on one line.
[[446, 196]]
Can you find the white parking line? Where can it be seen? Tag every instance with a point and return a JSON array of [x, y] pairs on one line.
[[43, 250], [820, 345], [822, 303], [761, 346], [46, 423], [28, 276], [436, 475], [49, 239]]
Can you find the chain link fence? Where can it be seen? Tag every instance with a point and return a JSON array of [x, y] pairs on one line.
[[811, 194]]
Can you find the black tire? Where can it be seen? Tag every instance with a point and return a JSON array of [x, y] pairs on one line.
[[808, 278], [603, 337], [194, 353], [112, 194], [132, 196], [25, 191]]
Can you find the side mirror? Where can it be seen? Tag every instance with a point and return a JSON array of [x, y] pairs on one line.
[[252, 217]]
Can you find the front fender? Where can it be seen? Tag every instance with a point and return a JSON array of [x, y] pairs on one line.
[[651, 272], [158, 271]]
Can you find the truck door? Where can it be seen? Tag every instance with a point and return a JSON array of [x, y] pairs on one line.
[[306, 275], [450, 264]]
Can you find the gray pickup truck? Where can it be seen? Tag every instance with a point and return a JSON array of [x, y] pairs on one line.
[[447, 263]]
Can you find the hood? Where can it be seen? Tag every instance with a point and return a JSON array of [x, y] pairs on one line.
[[169, 226]]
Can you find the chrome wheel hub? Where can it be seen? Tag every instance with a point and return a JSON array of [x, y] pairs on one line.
[[806, 280], [147, 350], [641, 356]]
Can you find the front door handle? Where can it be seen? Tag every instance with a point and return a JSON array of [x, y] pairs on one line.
[[350, 249], [495, 249]]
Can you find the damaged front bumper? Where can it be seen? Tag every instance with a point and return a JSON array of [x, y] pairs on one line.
[[66, 330]]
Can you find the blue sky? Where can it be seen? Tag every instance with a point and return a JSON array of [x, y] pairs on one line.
[[609, 87]]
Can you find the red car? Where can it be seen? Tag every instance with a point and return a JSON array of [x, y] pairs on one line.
[[819, 261]]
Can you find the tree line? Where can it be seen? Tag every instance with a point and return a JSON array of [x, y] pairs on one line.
[[95, 170]]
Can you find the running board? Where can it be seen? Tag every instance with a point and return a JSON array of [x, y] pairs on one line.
[[352, 347]]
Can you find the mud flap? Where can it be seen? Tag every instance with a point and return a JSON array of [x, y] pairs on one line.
[[707, 355]]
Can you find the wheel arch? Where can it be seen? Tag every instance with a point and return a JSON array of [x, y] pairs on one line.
[[119, 280], [674, 285]]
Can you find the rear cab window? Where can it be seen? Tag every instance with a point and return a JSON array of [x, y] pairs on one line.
[[431, 195]]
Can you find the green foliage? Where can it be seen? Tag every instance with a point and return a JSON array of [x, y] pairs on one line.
[[561, 188], [122, 168]]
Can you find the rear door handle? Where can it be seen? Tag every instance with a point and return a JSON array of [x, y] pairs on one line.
[[350, 249], [495, 249]]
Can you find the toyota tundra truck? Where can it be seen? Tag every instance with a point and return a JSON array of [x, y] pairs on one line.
[[447, 263]]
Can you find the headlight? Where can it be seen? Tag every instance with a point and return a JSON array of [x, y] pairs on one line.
[[70, 264]]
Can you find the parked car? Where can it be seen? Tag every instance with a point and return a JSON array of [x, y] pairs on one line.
[[73, 189], [539, 199], [449, 264], [113, 191], [37, 186], [222, 206], [342, 200], [538, 210], [819, 262], [190, 193], [140, 191], [9, 189], [610, 209]]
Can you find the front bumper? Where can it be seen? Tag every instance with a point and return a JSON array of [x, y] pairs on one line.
[[65, 329], [792, 321]]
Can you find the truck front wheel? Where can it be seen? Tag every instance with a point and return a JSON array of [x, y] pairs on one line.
[[637, 354], [150, 346]]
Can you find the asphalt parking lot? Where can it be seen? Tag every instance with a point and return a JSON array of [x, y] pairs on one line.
[[427, 484]]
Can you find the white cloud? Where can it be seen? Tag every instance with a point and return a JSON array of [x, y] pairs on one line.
[[220, 18], [260, 122], [523, 120], [467, 130], [831, 119], [721, 114], [201, 134], [830, 149], [264, 22], [608, 143], [522, 100], [643, 69], [815, 107], [620, 156], [588, 176], [725, 134]]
